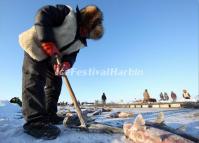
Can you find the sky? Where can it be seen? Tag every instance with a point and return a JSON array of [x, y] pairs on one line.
[[156, 39]]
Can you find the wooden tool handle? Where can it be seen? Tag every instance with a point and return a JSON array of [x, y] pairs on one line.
[[72, 95]]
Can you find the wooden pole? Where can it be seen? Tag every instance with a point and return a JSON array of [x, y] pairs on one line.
[[72, 95]]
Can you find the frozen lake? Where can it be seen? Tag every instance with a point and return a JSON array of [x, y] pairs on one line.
[[11, 123]]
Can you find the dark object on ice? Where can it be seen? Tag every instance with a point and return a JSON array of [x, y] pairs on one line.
[[16, 100], [103, 98], [173, 96], [161, 97], [146, 96], [42, 130], [166, 97], [186, 94]]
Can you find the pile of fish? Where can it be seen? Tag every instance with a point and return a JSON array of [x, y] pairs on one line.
[[139, 132], [71, 118]]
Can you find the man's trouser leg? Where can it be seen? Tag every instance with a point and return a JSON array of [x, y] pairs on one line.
[[52, 91], [34, 77]]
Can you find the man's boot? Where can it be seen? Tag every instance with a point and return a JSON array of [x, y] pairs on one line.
[[42, 130]]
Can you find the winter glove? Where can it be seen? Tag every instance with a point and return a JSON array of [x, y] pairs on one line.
[[61, 68], [50, 48]]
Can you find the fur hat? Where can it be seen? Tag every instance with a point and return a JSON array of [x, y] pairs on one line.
[[91, 19]]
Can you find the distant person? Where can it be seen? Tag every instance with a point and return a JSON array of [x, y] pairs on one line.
[[173, 96], [186, 94], [146, 96], [166, 97], [161, 97], [103, 98]]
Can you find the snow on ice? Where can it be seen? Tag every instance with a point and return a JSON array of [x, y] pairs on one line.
[[11, 125]]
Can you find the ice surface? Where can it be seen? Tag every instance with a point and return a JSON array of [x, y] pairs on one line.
[[11, 123]]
